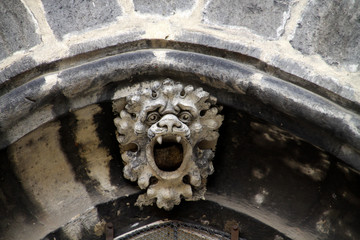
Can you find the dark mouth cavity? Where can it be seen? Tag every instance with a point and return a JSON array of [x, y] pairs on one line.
[[169, 155]]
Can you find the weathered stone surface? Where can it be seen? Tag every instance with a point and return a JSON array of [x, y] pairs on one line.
[[266, 18], [47, 177], [162, 7], [279, 178], [331, 29], [16, 68], [17, 29], [108, 43], [99, 81], [168, 133], [67, 16], [217, 43]]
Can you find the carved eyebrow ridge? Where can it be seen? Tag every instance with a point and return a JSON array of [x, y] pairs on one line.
[[188, 108], [152, 108]]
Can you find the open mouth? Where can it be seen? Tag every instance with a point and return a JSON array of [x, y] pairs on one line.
[[168, 153]]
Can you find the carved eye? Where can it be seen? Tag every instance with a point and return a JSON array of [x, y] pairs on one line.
[[185, 117], [153, 117]]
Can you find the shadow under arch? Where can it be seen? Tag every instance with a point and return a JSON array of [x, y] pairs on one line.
[[303, 111]]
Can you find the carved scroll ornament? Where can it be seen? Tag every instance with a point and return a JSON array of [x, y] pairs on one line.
[[167, 134]]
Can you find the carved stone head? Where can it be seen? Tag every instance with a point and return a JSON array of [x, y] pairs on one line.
[[167, 134]]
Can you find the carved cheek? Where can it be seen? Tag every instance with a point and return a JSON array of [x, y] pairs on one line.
[[139, 128], [211, 124], [196, 127]]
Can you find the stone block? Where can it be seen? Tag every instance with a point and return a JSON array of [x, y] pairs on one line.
[[66, 16], [7, 73], [17, 29], [264, 17], [162, 7], [332, 30]]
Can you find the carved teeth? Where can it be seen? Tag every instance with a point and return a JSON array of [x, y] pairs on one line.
[[159, 140], [178, 139]]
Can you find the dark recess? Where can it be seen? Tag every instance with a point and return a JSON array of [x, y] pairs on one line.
[[71, 149], [15, 202], [106, 133]]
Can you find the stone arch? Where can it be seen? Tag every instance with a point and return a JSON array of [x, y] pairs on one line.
[[37, 101], [288, 157]]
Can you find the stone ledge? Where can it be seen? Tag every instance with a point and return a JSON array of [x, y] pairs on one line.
[[38, 101]]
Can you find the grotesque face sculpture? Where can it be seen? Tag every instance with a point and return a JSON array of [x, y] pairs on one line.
[[167, 135]]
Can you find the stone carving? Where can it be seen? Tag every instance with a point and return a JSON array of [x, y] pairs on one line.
[[167, 134]]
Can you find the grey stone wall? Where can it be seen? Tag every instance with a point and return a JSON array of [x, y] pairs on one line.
[[266, 18], [314, 40], [162, 7], [77, 16], [332, 30], [55, 48], [17, 28]]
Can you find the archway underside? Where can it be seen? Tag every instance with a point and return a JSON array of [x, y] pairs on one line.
[[286, 162]]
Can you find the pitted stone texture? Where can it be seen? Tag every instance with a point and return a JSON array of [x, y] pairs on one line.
[[162, 7], [167, 134], [66, 16], [95, 44], [264, 17], [17, 29], [332, 30], [14, 69]]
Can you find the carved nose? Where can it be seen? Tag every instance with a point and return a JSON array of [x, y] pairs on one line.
[[169, 121]]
